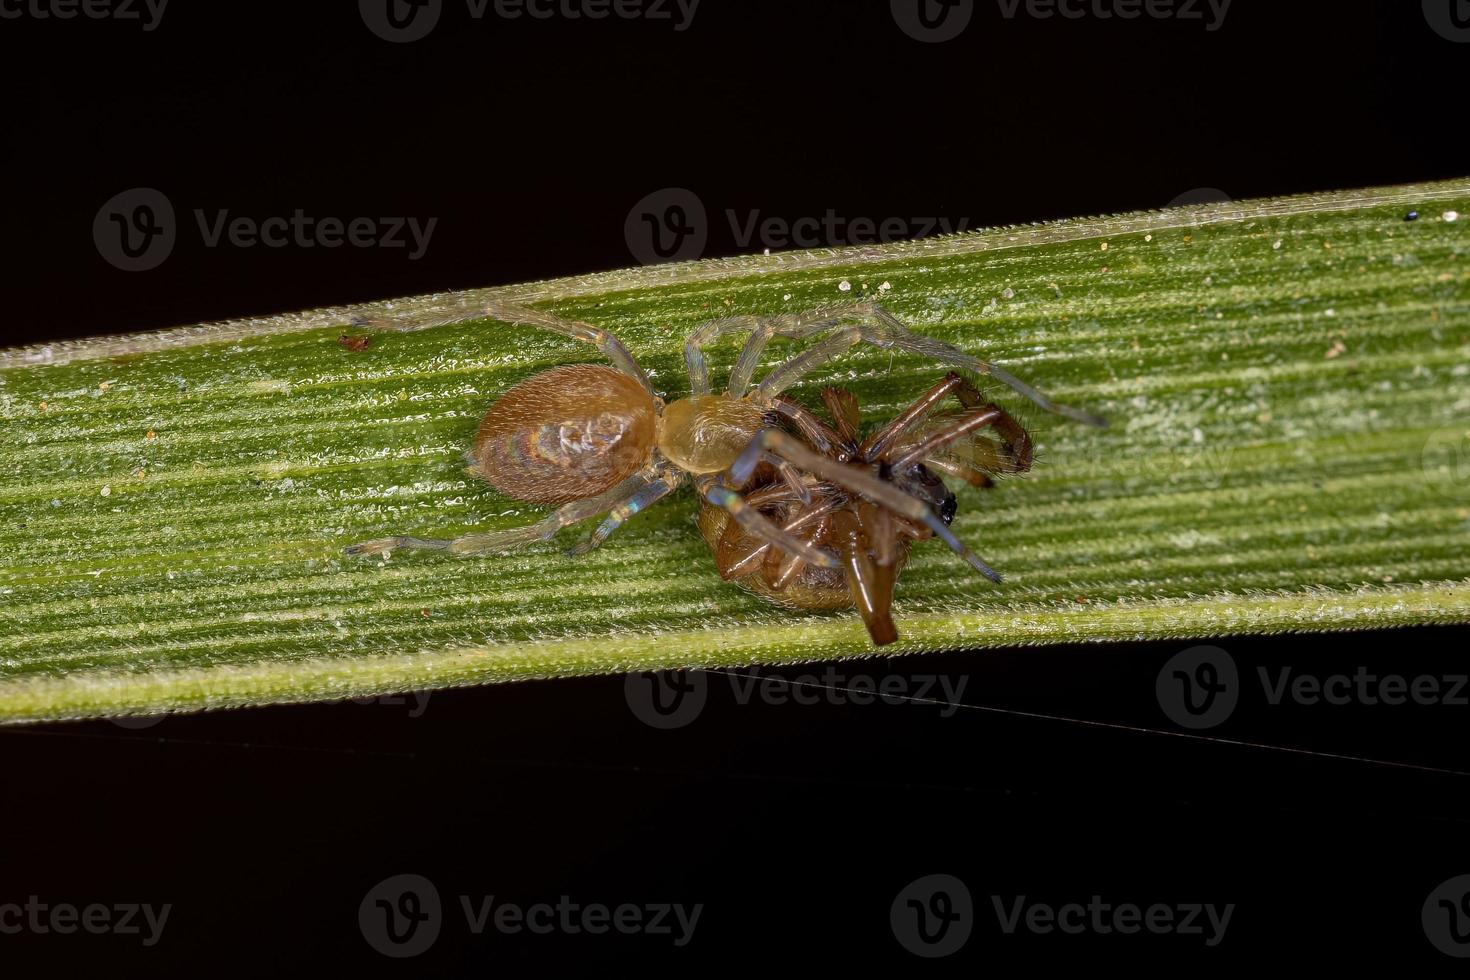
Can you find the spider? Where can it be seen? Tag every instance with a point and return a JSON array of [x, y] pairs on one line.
[[863, 499], [597, 440]]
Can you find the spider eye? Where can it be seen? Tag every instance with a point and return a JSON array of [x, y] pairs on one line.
[[947, 507]]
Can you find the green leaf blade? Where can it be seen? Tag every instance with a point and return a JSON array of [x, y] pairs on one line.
[[1286, 382]]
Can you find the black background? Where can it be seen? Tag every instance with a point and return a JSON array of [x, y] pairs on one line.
[[796, 826]]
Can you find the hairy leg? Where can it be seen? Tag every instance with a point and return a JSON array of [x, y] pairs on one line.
[[812, 429], [792, 326], [877, 444], [846, 419], [610, 346], [882, 329], [1013, 455], [668, 481], [517, 537]]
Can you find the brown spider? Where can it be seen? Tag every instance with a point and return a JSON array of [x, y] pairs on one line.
[[870, 520], [598, 440]]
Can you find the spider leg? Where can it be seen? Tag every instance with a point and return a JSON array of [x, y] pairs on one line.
[[882, 329], [753, 556], [1016, 455], [760, 526], [974, 477], [843, 405], [610, 346], [515, 537], [812, 429], [761, 329], [910, 418], [668, 481], [773, 444]]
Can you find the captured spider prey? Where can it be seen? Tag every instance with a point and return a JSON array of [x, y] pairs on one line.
[[865, 500], [597, 441]]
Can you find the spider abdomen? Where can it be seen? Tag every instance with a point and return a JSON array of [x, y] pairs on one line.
[[566, 434]]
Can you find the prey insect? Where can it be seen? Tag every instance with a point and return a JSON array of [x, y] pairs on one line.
[[864, 499], [598, 441]]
